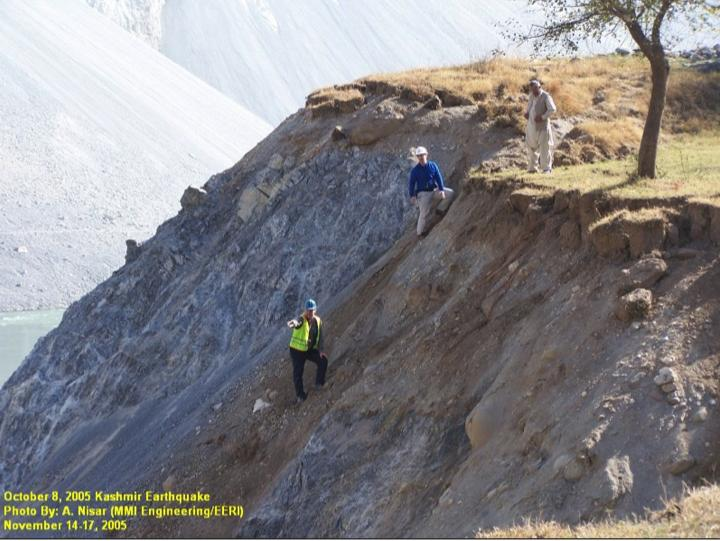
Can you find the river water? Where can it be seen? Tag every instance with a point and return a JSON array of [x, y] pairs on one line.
[[18, 333]]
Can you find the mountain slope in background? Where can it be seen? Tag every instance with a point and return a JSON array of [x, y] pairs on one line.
[[243, 48], [100, 135]]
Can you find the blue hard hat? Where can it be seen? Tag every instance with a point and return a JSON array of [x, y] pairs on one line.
[[310, 305]]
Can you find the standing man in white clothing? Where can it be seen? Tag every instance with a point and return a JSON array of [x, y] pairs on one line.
[[538, 134]]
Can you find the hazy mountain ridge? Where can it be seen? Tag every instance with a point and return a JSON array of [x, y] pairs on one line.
[[102, 134]]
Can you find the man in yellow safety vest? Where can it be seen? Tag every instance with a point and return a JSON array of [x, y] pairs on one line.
[[306, 344]]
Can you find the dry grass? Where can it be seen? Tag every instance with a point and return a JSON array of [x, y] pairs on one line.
[[610, 135], [688, 167], [573, 83], [609, 92], [697, 514]]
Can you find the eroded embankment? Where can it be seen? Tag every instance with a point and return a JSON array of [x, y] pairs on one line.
[[482, 375], [135, 369]]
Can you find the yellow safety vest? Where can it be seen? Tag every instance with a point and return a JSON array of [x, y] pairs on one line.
[[301, 335]]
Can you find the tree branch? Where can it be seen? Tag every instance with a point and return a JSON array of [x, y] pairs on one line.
[[657, 23]]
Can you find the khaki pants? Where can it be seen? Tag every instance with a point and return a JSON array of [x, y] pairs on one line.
[[539, 146], [426, 201]]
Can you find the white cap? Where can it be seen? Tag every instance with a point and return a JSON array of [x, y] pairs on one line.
[[535, 82], [420, 150]]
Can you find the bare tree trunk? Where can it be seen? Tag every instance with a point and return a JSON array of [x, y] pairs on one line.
[[651, 133]]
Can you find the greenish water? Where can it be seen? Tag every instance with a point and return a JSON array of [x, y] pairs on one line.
[[18, 333]]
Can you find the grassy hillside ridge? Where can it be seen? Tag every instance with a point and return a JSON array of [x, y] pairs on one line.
[[688, 169], [695, 515], [605, 97]]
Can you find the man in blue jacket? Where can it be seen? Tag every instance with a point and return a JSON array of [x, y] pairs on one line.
[[427, 187]]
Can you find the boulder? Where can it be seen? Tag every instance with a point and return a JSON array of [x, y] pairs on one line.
[[260, 405], [433, 103], [480, 425], [569, 467], [701, 415], [643, 274], [132, 250], [681, 464], [338, 134], [634, 305], [276, 162], [192, 197], [665, 375], [616, 480]]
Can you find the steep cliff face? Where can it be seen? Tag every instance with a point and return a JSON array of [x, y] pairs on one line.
[[478, 375]]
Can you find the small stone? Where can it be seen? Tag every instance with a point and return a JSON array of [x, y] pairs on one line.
[[712, 402], [433, 103], [665, 375], [686, 253], [681, 464], [21, 249], [217, 406], [512, 267], [636, 325], [260, 405], [701, 415], [276, 162], [338, 134], [583, 394], [634, 305], [169, 483], [674, 398], [668, 387], [272, 395]]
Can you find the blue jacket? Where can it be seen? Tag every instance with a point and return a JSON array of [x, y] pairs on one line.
[[425, 178]]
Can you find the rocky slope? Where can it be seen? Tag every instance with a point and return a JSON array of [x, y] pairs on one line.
[[478, 375]]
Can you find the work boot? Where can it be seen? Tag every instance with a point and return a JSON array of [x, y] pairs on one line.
[[301, 398], [319, 386]]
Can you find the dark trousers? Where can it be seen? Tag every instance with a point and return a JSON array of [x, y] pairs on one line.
[[298, 360]]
